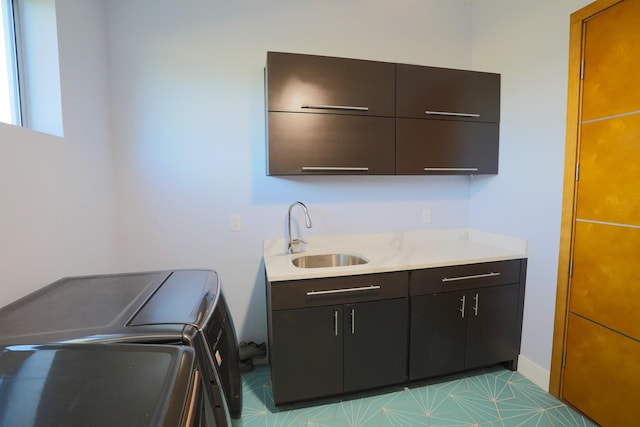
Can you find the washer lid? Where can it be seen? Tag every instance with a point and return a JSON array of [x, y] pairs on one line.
[[76, 307], [186, 297], [94, 385]]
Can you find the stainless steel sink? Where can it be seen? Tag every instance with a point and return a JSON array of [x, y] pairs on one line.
[[328, 260]]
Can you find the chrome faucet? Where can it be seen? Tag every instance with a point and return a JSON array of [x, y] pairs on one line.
[[294, 245]]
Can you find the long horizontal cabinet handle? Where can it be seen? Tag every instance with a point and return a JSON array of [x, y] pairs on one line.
[[474, 276], [451, 113], [341, 291], [335, 107], [334, 168], [450, 169]]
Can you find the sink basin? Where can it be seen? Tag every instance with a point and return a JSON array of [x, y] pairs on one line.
[[328, 260]]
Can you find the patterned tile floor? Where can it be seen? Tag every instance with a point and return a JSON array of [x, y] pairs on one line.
[[496, 398]]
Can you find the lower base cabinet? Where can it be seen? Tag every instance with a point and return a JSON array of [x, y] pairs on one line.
[[336, 335], [453, 331], [324, 351]]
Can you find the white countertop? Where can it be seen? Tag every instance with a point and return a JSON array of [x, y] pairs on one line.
[[409, 250]]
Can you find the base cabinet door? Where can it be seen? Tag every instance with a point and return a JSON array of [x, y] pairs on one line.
[[306, 353], [375, 344], [453, 331], [438, 330], [492, 331]]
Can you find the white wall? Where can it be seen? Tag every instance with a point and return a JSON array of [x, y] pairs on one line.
[[188, 129], [57, 206], [528, 43]]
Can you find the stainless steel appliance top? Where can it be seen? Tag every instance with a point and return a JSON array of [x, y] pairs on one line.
[[96, 385], [142, 307]]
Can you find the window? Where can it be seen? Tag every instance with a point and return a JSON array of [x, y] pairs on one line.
[[9, 87], [29, 68]]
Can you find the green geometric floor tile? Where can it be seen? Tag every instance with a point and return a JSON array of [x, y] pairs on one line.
[[382, 410], [496, 398]]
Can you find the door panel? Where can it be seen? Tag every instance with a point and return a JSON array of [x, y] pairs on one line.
[[303, 337], [608, 185], [295, 80], [424, 144], [602, 373], [437, 349], [612, 62], [375, 344], [606, 276], [601, 348], [422, 88], [299, 140], [492, 333]]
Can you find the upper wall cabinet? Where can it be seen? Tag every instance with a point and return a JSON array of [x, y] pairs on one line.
[[343, 116], [448, 121], [326, 85], [329, 115]]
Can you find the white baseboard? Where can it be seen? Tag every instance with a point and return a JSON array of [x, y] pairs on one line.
[[534, 372]]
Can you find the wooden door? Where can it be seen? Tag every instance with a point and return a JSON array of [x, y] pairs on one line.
[[438, 334], [596, 365], [306, 352], [473, 95], [375, 343], [328, 85], [442, 147], [492, 326], [329, 144]]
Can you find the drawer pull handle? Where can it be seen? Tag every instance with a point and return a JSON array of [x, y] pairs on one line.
[[475, 276], [463, 300], [335, 168], [335, 322], [450, 169], [340, 291], [334, 107], [449, 113]]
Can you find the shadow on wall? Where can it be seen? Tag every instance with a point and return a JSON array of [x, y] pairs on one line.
[[254, 327]]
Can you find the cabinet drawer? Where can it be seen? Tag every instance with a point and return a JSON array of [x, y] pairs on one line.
[[321, 84], [329, 144], [446, 147], [447, 94], [460, 277], [338, 290]]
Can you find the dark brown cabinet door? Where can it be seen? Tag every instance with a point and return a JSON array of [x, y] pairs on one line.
[[375, 344], [321, 84], [306, 353], [438, 334], [446, 147], [447, 94], [330, 144], [492, 326]]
